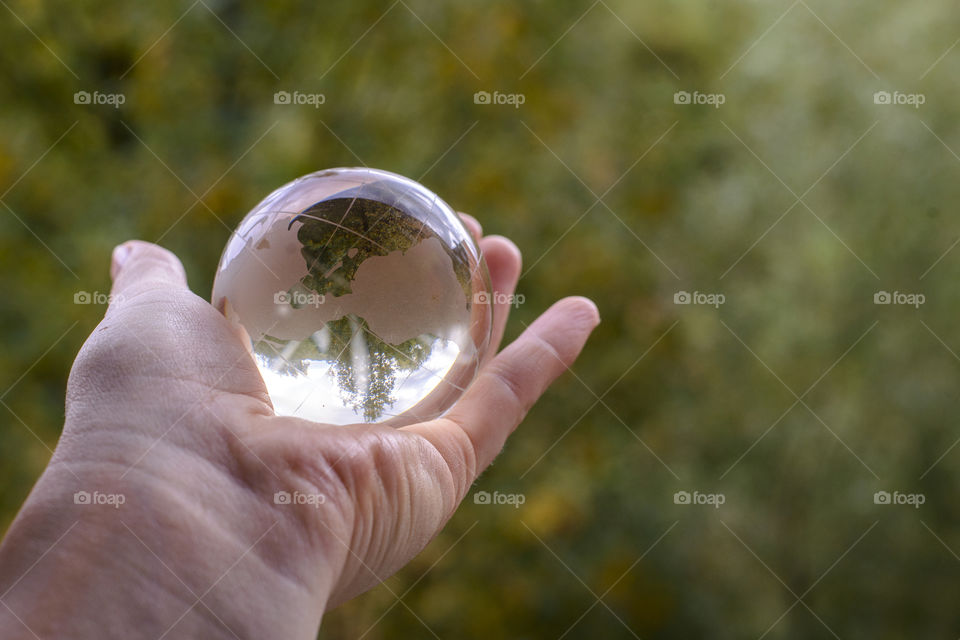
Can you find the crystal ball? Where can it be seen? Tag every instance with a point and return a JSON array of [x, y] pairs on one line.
[[364, 297]]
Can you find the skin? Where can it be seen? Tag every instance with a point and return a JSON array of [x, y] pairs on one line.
[[166, 407]]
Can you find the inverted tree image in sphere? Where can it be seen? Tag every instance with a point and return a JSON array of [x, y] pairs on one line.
[[364, 297]]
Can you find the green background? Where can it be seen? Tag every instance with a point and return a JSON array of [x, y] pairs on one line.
[[798, 199]]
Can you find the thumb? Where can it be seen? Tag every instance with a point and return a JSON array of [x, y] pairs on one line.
[[137, 267]]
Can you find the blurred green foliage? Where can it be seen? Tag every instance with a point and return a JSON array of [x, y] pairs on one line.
[[694, 198]]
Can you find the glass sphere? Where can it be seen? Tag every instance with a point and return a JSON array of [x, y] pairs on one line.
[[364, 297]]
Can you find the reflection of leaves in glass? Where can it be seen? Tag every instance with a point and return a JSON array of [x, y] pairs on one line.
[[340, 233], [365, 366], [368, 384], [337, 235]]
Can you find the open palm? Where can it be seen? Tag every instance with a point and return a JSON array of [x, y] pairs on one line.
[[166, 408]]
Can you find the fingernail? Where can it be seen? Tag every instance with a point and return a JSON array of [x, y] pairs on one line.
[[120, 255]]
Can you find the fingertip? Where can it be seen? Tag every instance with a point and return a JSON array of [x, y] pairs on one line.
[[501, 254], [137, 265], [504, 242], [566, 326], [139, 250], [581, 308]]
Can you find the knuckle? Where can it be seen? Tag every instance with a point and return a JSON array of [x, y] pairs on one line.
[[459, 454], [511, 380]]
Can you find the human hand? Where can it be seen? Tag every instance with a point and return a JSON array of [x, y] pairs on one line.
[[166, 408]]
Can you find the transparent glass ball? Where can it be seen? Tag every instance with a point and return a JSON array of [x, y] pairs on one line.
[[364, 297]]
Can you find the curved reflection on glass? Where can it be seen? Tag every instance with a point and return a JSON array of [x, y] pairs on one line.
[[364, 297]]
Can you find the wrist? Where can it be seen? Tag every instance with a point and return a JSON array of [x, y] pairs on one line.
[[91, 556]]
